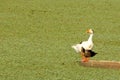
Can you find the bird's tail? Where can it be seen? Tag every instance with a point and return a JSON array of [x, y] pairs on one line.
[[75, 48]]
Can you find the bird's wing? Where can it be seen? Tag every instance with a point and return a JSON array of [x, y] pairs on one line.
[[87, 45]]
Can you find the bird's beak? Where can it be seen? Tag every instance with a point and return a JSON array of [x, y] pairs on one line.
[[88, 31]]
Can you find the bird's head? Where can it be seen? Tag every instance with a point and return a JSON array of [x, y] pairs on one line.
[[90, 31]]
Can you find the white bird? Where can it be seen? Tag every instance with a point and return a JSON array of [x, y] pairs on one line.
[[87, 45]]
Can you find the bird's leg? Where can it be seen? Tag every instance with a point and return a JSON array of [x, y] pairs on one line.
[[84, 59], [87, 59], [82, 54]]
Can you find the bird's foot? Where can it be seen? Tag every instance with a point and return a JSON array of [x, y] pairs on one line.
[[85, 60]]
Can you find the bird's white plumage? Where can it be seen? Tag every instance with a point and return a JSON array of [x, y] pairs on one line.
[[87, 45], [77, 47]]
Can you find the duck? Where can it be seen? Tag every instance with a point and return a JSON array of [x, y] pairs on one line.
[[86, 54], [87, 45]]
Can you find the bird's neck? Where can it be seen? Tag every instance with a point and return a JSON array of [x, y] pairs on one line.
[[90, 38]]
